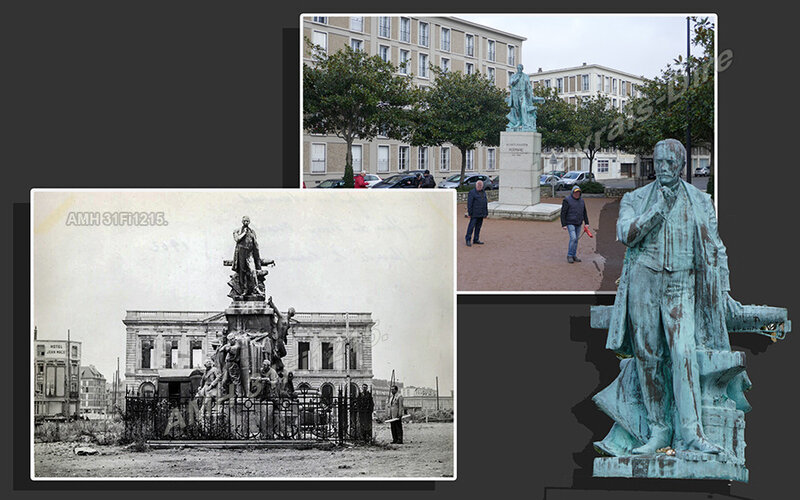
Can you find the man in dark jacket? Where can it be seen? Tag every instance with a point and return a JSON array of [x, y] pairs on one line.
[[573, 214], [427, 180], [477, 209]]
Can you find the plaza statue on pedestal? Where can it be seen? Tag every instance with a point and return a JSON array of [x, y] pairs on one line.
[[522, 117], [679, 393]]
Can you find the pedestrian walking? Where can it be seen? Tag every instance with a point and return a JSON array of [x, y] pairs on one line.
[[573, 215]]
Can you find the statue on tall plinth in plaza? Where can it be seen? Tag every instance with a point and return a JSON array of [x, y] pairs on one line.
[[522, 116], [678, 405], [255, 333]]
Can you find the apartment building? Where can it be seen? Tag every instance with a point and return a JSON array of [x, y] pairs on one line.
[[94, 394], [413, 44], [56, 378]]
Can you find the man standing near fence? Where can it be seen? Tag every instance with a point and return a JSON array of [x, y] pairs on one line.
[[365, 407], [395, 409]]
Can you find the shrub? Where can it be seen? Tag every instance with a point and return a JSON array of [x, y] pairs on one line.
[[89, 431], [592, 187], [432, 416]]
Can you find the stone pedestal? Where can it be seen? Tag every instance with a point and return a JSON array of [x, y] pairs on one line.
[[666, 467], [521, 160]]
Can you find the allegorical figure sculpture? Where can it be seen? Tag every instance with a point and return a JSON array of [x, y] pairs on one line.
[[246, 262], [232, 371], [679, 392], [522, 117]]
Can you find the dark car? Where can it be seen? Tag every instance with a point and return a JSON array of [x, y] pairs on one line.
[[494, 183], [331, 183], [397, 181], [452, 182]]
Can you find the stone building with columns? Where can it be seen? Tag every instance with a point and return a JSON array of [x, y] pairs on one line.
[[165, 350]]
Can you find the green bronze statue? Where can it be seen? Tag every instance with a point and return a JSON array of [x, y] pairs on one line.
[[678, 405]]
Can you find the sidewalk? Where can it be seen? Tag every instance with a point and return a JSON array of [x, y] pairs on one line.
[[532, 255]]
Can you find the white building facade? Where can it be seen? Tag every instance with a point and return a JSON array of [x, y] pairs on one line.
[[446, 42]]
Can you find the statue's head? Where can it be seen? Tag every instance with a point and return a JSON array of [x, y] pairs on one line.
[[290, 375], [208, 364], [519, 68], [245, 221], [265, 364], [669, 157], [291, 311]]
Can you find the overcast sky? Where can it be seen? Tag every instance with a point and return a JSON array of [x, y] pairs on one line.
[[641, 45], [335, 250]]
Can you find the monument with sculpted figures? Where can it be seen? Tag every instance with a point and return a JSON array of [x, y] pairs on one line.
[[678, 403], [521, 158]]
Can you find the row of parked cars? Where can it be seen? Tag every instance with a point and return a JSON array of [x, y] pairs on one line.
[[560, 179], [408, 180]]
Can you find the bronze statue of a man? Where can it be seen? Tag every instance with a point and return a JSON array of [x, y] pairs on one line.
[[672, 303], [246, 260]]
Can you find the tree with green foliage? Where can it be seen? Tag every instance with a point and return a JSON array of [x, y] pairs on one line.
[[597, 126], [660, 111], [354, 96], [555, 119], [463, 110]]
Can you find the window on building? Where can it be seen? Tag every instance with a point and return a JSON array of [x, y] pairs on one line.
[[470, 160], [614, 86], [490, 52], [445, 41], [402, 158], [547, 83], [491, 157], [422, 157], [327, 355], [405, 29], [602, 166], [469, 68], [383, 158], [320, 38], [512, 55], [61, 380], [613, 103], [195, 353], [40, 350], [171, 349], [357, 23], [490, 74], [423, 65], [356, 44], [318, 158], [385, 26], [320, 19], [147, 354], [352, 357], [147, 390], [560, 85], [599, 83], [403, 66], [444, 159], [445, 64], [356, 150], [383, 52], [607, 87], [469, 45], [50, 381], [303, 350], [584, 82], [424, 34]]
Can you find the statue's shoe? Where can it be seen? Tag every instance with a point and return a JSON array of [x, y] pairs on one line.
[[659, 438], [703, 445]]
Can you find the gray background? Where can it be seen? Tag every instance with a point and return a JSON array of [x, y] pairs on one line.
[[157, 94]]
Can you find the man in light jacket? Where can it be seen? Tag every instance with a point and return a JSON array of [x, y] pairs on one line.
[[395, 409]]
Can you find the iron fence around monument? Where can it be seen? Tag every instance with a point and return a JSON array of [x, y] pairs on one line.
[[305, 416]]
